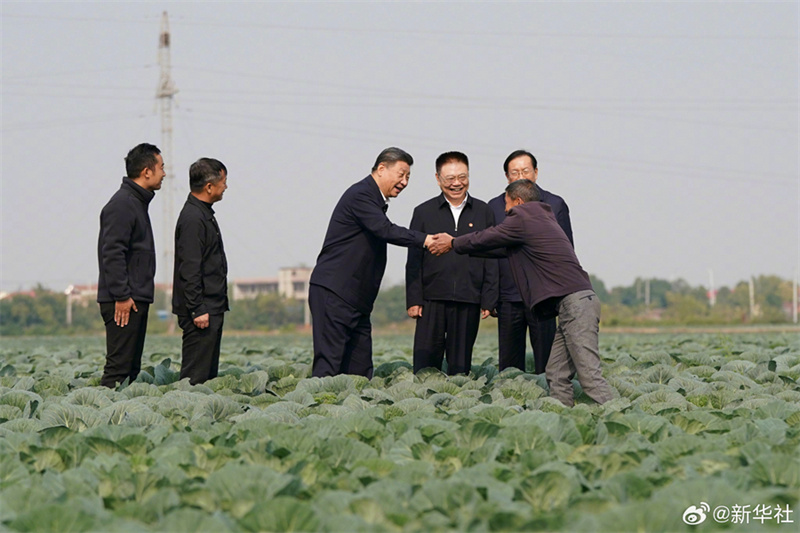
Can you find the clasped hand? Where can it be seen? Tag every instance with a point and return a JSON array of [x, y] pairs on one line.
[[439, 244]]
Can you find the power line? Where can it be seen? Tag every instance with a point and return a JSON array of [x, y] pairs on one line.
[[383, 30], [143, 19], [78, 96], [73, 121], [6, 79], [591, 161], [437, 97]]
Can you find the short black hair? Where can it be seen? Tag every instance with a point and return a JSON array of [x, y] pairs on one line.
[[205, 170], [139, 158], [391, 156], [524, 189], [515, 154], [450, 156]]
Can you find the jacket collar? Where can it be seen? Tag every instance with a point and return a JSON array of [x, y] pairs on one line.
[[542, 193], [204, 207], [376, 191], [443, 201], [140, 192]]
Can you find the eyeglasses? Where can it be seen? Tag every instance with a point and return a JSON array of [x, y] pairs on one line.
[[447, 180], [525, 173]]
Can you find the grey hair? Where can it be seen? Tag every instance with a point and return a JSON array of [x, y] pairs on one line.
[[523, 189], [203, 171]]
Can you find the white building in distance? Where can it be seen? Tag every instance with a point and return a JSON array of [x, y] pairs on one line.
[[291, 283]]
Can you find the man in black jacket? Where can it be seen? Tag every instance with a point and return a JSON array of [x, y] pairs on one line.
[[200, 284], [349, 269], [126, 255], [449, 294], [513, 317]]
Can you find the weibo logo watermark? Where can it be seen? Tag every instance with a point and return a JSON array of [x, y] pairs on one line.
[[738, 514], [696, 515]]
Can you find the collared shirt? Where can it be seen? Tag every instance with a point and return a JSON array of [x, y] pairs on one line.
[[457, 209], [450, 277]]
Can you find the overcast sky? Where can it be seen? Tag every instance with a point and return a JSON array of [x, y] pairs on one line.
[[671, 129]]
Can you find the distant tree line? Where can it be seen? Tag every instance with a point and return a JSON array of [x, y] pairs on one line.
[[678, 303], [44, 312]]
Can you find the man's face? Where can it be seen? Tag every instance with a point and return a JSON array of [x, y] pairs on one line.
[[453, 179], [154, 177], [393, 178], [512, 203], [218, 188], [521, 168]]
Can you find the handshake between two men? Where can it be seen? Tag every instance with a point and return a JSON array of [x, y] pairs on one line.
[[439, 244]]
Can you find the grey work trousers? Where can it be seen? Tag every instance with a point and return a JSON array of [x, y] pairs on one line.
[[575, 350]]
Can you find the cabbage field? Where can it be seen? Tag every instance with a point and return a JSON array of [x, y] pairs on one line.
[[703, 435]]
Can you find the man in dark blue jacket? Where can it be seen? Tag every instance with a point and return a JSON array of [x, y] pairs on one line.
[[127, 257], [513, 317], [349, 269], [200, 286], [448, 295]]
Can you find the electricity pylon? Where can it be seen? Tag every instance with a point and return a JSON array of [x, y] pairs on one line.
[[164, 93]]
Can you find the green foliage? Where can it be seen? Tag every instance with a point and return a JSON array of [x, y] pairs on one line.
[[671, 303], [265, 447], [266, 312], [390, 306], [677, 303]]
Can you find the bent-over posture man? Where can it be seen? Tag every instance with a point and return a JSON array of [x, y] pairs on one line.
[[551, 282], [349, 269], [513, 316], [200, 283], [449, 294], [126, 254]]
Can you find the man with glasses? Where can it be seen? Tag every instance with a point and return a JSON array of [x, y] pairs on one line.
[[513, 317], [448, 295]]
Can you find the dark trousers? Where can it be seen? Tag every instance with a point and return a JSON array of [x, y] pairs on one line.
[[446, 328], [342, 335], [124, 346], [513, 320], [200, 350]]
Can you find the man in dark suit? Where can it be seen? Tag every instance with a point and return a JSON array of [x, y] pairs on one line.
[[449, 294], [513, 317], [200, 284], [349, 269], [551, 282], [126, 253]]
